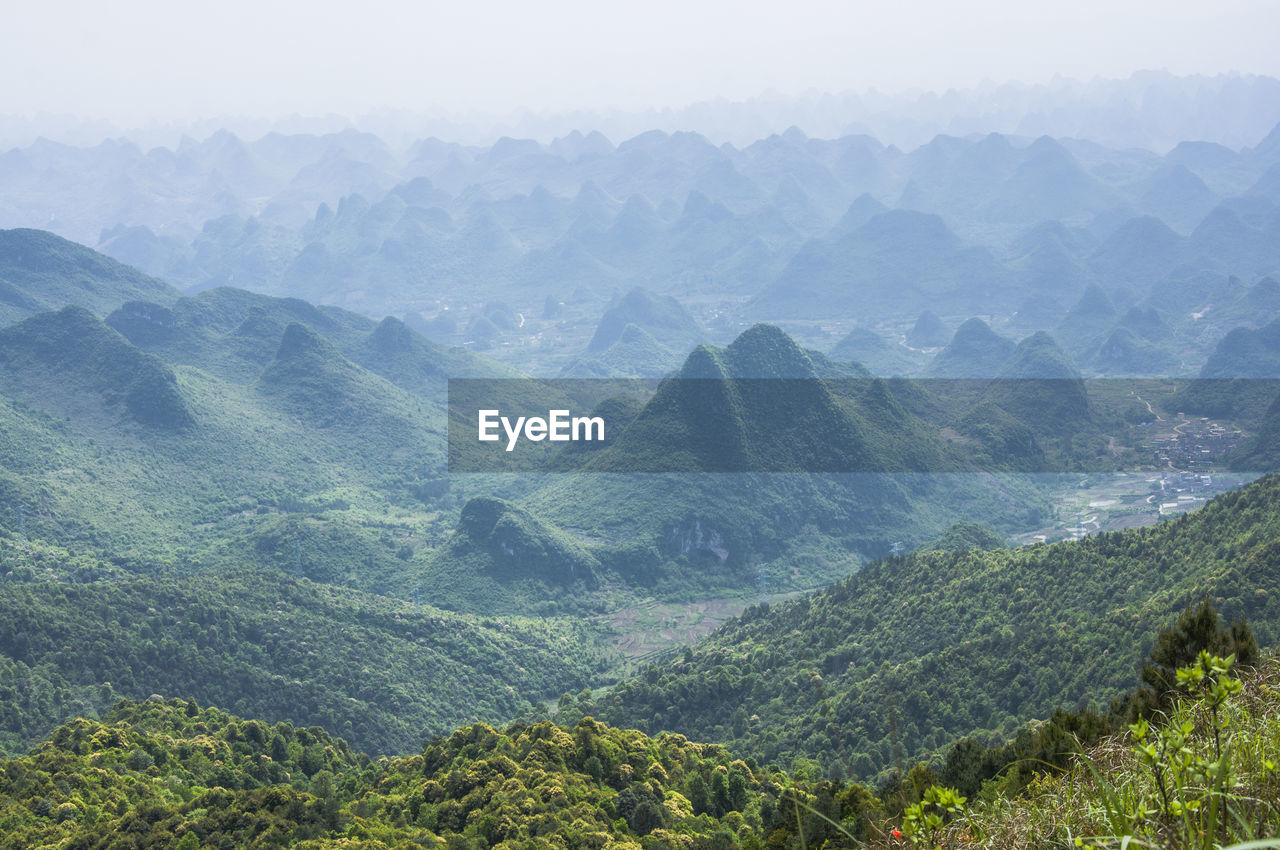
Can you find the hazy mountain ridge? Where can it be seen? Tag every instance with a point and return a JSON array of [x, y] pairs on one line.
[[960, 224], [888, 657]]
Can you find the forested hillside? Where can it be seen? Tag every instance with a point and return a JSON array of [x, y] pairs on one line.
[[171, 774], [911, 652], [383, 673]]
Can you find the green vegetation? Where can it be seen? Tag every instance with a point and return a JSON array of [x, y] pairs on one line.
[[170, 774], [911, 652], [968, 535], [384, 673], [40, 272], [107, 448], [502, 557], [157, 773], [1204, 774]]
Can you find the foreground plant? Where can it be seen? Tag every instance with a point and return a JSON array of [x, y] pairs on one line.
[[1202, 774]]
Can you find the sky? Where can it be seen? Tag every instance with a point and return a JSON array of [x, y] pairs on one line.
[[131, 61]]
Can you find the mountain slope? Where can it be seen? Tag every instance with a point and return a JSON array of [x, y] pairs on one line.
[[975, 351], [898, 262], [911, 651], [798, 462], [74, 349], [385, 673], [40, 271], [660, 315]]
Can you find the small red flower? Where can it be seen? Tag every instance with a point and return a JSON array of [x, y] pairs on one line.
[[897, 833]]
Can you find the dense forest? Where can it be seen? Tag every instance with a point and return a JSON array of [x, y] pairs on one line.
[[913, 651], [168, 773], [384, 674]]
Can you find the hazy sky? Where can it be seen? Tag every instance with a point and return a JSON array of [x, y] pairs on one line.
[[174, 59]]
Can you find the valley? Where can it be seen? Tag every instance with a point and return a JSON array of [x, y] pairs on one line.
[[659, 492]]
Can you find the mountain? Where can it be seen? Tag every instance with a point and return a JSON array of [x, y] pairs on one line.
[[235, 333], [1147, 323], [386, 673], [40, 271], [964, 536], [1262, 451], [310, 379], [1140, 252], [1246, 353], [1040, 386], [1175, 194], [500, 556], [1048, 184], [910, 650], [1124, 352], [242, 429], [896, 262], [634, 354], [880, 355], [782, 442], [1238, 381], [755, 406], [661, 317], [1086, 324], [75, 350], [975, 351], [927, 332]]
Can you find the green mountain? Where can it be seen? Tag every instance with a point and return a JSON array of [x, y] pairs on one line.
[[927, 332], [880, 355], [912, 651], [1040, 386], [897, 262], [964, 536], [311, 380], [661, 316], [385, 673], [1246, 353], [842, 453], [1237, 381], [1124, 352], [86, 359], [1262, 451], [40, 272], [634, 354], [724, 412], [975, 351], [502, 557], [1087, 322], [234, 334], [165, 463]]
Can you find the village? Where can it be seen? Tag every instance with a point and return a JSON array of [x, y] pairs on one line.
[[1187, 469]]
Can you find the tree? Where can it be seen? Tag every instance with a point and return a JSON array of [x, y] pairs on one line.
[[1196, 629]]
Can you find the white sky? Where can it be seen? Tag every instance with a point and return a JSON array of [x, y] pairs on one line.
[[138, 60]]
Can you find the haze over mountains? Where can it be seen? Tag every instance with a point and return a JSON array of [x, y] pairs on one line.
[[1137, 262], [1150, 109], [226, 437]]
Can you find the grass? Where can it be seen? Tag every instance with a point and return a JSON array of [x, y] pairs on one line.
[[1196, 790]]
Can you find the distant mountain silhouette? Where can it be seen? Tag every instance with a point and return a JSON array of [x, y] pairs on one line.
[[975, 351]]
